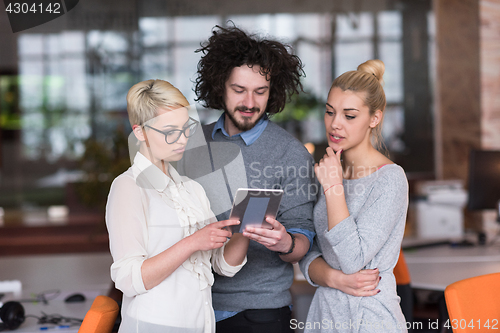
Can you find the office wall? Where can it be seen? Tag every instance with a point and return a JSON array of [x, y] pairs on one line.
[[467, 83], [490, 73], [458, 91], [467, 89], [490, 89]]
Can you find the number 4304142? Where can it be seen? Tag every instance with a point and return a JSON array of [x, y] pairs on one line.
[[25, 8], [463, 324]]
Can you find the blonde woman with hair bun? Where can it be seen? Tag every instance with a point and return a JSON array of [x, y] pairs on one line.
[[360, 216]]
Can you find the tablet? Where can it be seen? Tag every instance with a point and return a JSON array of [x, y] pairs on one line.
[[252, 206]]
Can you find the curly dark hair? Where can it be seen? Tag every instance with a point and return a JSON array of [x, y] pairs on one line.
[[232, 47]]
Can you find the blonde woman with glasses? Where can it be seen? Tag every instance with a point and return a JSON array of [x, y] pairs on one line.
[[164, 238]]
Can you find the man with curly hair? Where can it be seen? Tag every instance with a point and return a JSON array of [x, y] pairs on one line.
[[251, 78]]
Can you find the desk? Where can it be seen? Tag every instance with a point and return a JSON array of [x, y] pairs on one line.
[[86, 273], [66, 272], [434, 268], [55, 307]]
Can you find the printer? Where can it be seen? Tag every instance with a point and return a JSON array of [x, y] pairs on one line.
[[440, 209]]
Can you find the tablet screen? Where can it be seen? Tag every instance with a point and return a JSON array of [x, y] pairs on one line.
[[256, 210], [252, 206]]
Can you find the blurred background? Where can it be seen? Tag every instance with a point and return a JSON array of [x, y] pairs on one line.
[[64, 124], [63, 119]]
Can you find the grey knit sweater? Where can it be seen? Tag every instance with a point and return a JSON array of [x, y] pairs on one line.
[[275, 160], [369, 238]]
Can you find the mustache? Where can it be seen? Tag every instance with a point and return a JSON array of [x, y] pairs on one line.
[[244, 108]]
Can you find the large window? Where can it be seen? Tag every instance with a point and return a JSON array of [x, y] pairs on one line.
[[72, 84]]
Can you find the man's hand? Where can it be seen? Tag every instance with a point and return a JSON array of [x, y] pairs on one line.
[[275, 239]]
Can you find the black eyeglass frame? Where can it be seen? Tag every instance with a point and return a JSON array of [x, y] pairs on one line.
[[193, 126]]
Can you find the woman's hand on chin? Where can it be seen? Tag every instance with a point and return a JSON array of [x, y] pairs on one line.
[[329, 169]]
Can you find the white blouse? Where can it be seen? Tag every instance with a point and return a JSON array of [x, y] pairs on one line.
[[146, 213]]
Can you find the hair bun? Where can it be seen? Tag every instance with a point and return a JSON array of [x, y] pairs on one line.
[[375, 67]]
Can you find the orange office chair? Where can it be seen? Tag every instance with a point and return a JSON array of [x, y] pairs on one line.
[[402, 275], [401, 271], [474, 304], [101, 317]]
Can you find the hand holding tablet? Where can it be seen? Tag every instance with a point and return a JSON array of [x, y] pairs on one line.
[[252, 206]]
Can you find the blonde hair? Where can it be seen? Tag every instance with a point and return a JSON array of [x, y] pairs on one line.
[[368, 78], [146, 97]]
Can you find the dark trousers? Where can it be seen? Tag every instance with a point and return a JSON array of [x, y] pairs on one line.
[[257, 321]]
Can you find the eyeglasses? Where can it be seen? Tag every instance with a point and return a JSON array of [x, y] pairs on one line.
[[171, 136]]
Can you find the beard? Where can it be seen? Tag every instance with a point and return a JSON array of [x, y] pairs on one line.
[[245, 124]]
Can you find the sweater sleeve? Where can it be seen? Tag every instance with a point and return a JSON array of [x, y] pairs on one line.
[[314, 253], [357, 241]]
